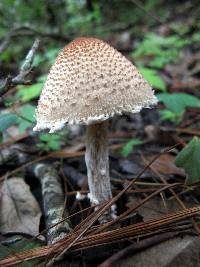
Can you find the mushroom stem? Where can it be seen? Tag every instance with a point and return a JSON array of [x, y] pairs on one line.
[[97, 162]]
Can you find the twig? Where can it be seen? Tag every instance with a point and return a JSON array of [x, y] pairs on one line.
[[22, 31], [5, 42], [56, 154], [117, 235], [133, 208], [90, 220], [27, 65], [53, 200], [140, 5], [25, 69], [179, 201], [8, 37]]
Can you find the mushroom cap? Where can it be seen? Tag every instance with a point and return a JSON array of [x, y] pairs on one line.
[[89, 82]]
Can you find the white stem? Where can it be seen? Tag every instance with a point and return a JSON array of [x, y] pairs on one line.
[[97, 162]]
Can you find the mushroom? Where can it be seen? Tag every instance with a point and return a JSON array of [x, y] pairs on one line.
[[89, 83]]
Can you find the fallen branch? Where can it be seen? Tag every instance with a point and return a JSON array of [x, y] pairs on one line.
[[22, 31], [25, 69], [57, 154], [53, 200]]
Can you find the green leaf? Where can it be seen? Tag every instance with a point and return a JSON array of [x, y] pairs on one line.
[[50, 142], [27, 93], [158, 62], [51, 54], [129, 146], [152, 77], [160, 49], [196, 37], [42, 78], [27, 118], [37, 60], [7, 120], [178, 102], [180, 28], [169, 115], [189, 159]]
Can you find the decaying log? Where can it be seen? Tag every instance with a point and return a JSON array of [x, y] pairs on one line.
[[53, 202]]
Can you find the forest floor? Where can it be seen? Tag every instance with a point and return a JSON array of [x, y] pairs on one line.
[[154, 161]]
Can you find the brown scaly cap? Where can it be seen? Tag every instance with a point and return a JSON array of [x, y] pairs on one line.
[[89, 82]]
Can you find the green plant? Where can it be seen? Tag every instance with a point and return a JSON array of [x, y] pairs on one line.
[[196, 37], [189, 159], [84, 21], [24, 118], [129, 146], [47, 58], [7, 120], [155, 51], [28, 92], [176, 105], [168, 115], [160, 49], [49, 142], [152, 77]]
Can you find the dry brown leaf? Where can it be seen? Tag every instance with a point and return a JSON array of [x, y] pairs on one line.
[[165, 164], [19, 210]]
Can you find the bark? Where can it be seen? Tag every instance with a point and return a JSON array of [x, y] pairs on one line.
[[53, 201], [25, 69]]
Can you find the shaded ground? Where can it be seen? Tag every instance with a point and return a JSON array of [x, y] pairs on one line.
[[163, 41]]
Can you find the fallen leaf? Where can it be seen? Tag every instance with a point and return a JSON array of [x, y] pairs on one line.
[[189, 159], [19, 210], [166, 164]]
